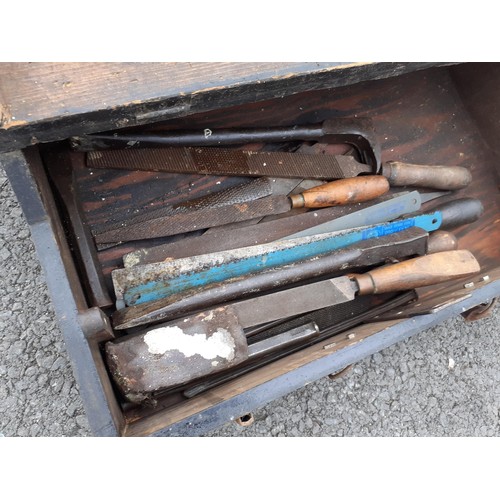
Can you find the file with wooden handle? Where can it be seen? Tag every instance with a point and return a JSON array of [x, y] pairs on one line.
[[233, 162], [177, 352], [143, 283], [411, 242], [358, 132], [139, 284], [339, 192], [323, 220]]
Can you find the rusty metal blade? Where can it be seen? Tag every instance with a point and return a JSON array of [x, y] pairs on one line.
[[359, 132], [278, 188], [412, 241], [221, 161], [192, 221], [241, 193], [381, 210], [140, 284], [180, 351], [176, 352], [294, 301]]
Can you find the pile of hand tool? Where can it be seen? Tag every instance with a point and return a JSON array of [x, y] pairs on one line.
[[309, 243]]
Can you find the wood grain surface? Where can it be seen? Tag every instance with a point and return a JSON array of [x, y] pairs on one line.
[[342, 192], [42, 102], [421, 271], [419, 118]]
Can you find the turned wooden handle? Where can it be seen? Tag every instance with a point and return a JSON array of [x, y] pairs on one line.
[[441, 241], [421, 271], [342, 192], [456, 213], [429, 176]]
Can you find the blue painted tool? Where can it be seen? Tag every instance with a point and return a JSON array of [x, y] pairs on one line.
[[149, 282]]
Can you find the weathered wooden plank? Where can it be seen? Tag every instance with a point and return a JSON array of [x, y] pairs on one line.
[[41, 91], [45, 102]]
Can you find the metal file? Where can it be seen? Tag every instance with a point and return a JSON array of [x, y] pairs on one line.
[[154, 281]]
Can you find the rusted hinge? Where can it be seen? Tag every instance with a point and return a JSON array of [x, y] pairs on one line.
[[481, 311]]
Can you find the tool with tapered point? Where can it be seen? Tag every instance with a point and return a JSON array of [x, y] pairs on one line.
[[326, 220], [220, 161], [139, 284], [155, 152]]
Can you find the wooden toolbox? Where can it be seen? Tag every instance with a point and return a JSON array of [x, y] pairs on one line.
[[421, 113]]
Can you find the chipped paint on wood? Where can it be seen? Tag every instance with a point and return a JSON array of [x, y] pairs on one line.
[[8, 121], [176, 352], [168, 338], [4, 116]]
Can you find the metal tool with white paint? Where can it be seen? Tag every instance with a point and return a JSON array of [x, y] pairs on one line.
[[404, 244], [189, 348]]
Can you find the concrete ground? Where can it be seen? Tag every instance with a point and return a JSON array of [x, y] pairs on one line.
[[442, 382]]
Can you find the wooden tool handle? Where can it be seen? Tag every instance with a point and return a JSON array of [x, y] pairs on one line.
[[342, 192], [441, 241], [428, 176], [421, 271], [456, 213]]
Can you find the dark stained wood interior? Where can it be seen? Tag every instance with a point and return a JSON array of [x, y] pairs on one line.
[[419, 118]]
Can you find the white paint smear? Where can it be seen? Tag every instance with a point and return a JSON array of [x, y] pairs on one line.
[[169, 338]]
